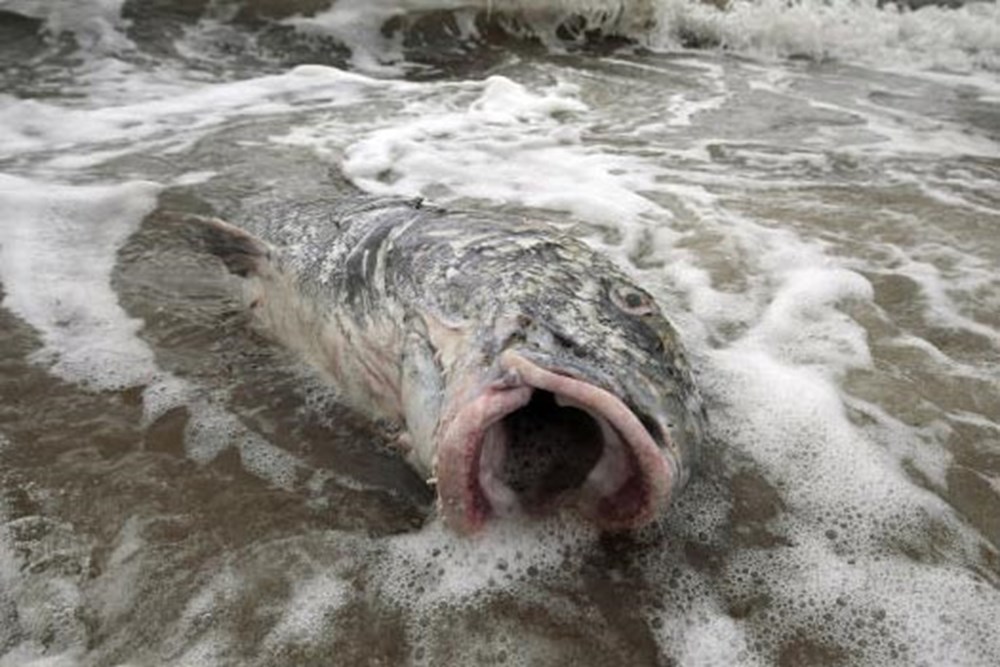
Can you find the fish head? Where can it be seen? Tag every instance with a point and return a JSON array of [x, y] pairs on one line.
[[575, 395]]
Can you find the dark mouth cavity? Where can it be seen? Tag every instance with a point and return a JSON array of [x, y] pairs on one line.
[[550, 450], [537, 437]]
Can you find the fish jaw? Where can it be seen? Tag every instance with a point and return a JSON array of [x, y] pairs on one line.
[[629, 485]]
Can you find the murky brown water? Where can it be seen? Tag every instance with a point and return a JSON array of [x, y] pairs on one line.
[[175, 489]]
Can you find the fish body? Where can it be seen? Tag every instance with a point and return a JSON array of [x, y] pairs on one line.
[[525, 369]]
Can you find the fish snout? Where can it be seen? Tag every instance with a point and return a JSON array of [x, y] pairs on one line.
[[538, 437]]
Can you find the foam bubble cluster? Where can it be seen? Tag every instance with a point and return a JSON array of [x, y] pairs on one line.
[[56, 262], [865, 31], [96, 24], [508, 143]]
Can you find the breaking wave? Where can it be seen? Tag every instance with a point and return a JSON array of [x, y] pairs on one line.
[[951, 36]]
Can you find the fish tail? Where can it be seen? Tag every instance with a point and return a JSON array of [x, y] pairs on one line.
[[243, 253]]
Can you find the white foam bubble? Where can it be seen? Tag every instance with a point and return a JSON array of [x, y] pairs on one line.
[[434, 566], [308, 614], [164, 394], [507, 145], [434, 574], [166, 119], [803, 325], [56, 259], [713, 640], [863, 31], [211, 648], [846, 498], [196, 619], [58, 250], [358, 24], [96, 24], [195, 177], [44, 602], [879, 609], [935, 287], [212, 430], [900, 133], [25, 656]]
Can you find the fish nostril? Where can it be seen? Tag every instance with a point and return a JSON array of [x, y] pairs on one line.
[[651, 427], [564, 341]]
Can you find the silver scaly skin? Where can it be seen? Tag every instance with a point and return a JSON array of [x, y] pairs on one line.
[[526, 370]]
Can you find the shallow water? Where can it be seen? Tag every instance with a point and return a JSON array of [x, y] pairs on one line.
[[811, 193]]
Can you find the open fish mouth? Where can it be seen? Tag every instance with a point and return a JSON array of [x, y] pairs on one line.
[[537, 439]]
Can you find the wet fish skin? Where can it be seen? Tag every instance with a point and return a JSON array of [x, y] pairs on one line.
[[414, 312]]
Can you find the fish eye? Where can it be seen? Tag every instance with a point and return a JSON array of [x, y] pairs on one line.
[[632, 301]]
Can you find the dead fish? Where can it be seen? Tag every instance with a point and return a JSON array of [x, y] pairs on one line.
[[526, 371]]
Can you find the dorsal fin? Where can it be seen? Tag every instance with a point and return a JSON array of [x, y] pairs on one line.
[[243, 253]]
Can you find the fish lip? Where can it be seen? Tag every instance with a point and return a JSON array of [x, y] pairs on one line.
[[465, 504]]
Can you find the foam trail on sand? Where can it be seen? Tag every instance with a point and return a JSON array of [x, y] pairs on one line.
[[58, 250]]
